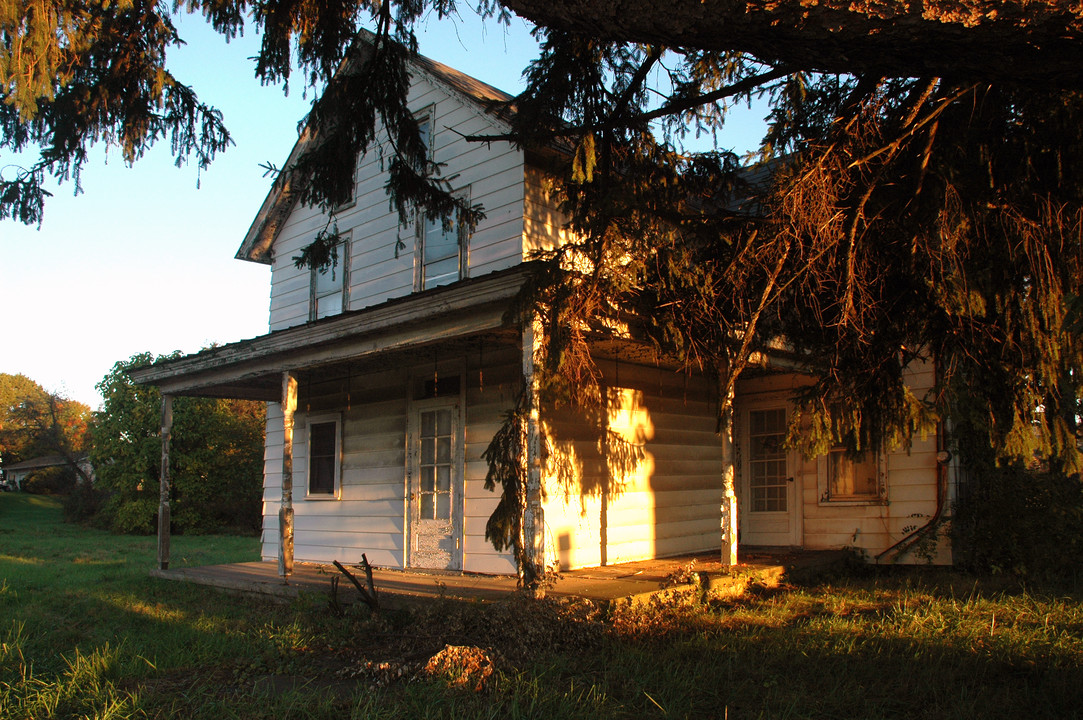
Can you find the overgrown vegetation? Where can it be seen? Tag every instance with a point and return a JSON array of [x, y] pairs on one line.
[[216, 460], [84, 632]]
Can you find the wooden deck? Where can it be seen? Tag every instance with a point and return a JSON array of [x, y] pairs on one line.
[[630, 582]]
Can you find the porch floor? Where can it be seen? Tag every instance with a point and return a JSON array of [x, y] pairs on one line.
[[632, 582]]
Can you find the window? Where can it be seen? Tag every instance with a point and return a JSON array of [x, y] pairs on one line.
[[440, 254], [767, 480], [435, 465], [330, 285], [424, 127], [848, 480], [323, 457]]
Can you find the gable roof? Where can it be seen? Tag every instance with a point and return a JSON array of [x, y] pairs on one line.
[[279, 202], [46, 461]]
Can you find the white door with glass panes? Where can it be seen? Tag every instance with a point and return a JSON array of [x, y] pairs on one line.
[[767, 501], [435, 497]]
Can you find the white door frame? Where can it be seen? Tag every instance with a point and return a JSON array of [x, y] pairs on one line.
[[766, 527], [447, 553]]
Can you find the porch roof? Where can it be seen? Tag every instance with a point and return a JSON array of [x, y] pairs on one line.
[[252, 369]]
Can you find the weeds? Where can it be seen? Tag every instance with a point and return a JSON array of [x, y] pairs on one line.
[[86, 633]]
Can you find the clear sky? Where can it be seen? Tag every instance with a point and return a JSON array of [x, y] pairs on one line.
[[142, 260]]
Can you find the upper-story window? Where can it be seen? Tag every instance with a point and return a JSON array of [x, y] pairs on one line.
[[330, 286], [425, 126], [440, 258]]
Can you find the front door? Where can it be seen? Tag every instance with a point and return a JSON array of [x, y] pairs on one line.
[[767, 500], [435, 497]]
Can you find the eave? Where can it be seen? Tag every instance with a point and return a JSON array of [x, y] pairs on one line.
[[252, 369]]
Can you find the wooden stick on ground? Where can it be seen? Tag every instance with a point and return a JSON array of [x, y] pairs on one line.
[[368, 595]]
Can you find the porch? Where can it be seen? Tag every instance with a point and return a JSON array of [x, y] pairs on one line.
[[633, 583]]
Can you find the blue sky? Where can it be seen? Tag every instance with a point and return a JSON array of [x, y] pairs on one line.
[[142, 260]]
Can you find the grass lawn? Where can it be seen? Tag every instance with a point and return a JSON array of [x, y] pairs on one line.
[[85, 632]]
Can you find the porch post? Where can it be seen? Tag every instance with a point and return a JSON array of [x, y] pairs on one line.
[[163, 484], [533, 520], [285, 510], [729, 493]]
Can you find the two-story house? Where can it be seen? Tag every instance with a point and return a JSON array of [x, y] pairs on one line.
[[388, 374]]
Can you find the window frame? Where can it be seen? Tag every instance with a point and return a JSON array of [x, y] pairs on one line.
[[428, 114], [461, 243], [324, 419], [823, 470], [342, 266]]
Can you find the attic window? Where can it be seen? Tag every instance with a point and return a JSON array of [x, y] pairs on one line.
[[329, 291]]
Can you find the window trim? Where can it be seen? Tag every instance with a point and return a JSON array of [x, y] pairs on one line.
[[823, 467], [343, 267], [323, 419]]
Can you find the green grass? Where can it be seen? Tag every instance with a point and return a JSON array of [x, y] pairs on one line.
[[85, 632]]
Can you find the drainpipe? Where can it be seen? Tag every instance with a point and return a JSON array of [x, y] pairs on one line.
[[943, 457]]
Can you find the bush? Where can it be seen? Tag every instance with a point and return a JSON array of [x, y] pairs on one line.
[[51, 481], [1021, 521], [135, 516], [83, 504]]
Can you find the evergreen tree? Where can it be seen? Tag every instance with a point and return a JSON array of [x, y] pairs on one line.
[[920, 197]]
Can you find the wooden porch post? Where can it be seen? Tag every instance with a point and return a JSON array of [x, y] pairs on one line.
[[163, 486], [729, 492], [533, 520], [285, 510]]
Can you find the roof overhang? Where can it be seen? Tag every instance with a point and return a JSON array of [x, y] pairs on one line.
[[253, 369]]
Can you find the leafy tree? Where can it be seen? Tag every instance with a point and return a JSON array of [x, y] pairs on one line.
[[216, 458], [35, 422]]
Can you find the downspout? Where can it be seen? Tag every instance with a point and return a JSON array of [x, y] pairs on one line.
[[943, 457]]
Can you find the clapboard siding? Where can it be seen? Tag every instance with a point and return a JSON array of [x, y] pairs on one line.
[[544, 223], [871, 528], [664, 502], [489, 395], [369, 514], [381, 249]]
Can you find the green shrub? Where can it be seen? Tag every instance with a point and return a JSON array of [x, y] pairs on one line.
[[136, 516], [1021, 521], [83, 504], [51, 481]]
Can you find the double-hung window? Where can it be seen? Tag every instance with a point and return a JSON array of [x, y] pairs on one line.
[[440, 256], [323, 456], [330, 286]]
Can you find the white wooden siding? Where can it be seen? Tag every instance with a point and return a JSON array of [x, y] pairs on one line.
[[543, 223], [382, 251], [870, 528], [369, 516], [665, 503]]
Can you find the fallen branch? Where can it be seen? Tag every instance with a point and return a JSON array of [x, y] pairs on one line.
[[368, 595]]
